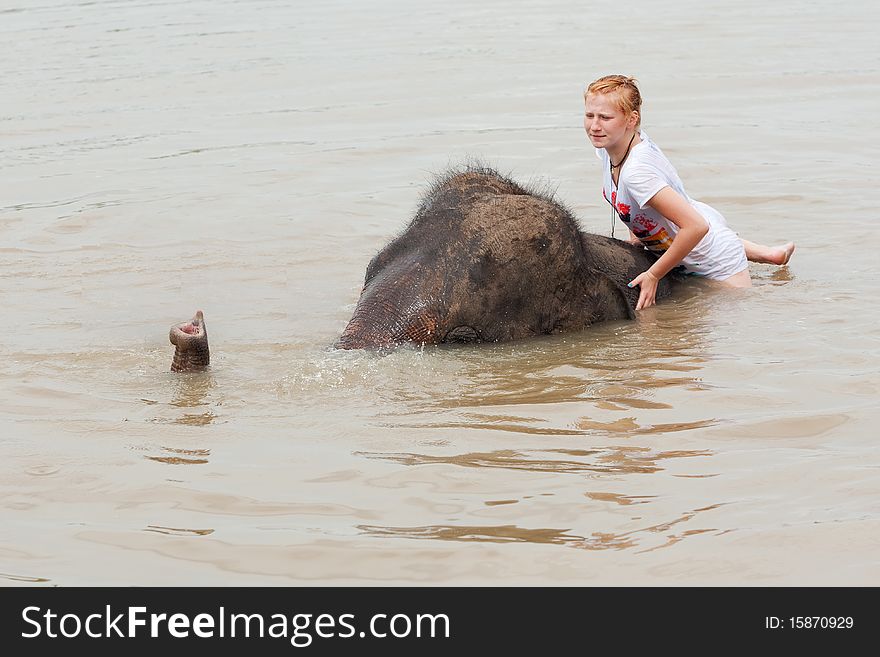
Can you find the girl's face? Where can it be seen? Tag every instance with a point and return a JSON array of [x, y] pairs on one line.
[[605, 124]]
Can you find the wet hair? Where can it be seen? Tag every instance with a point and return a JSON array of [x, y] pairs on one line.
[[628, 97]]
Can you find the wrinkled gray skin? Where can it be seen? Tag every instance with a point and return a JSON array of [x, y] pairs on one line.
[[190, 340], [485, 260]]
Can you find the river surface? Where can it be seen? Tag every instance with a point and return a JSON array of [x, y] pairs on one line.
[[249, 158]]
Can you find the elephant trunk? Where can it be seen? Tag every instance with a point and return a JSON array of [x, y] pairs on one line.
[[190, 340]]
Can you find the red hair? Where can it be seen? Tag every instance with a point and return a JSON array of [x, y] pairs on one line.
[[628, 99]]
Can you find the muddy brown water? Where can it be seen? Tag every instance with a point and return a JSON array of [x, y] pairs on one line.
[[249, 159]]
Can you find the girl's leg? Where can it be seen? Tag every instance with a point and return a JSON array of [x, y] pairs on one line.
[[771, 255], [739, 279]]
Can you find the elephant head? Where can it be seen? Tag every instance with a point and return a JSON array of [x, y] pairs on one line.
[[485, 260]]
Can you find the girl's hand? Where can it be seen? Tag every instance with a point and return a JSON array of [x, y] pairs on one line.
[[647, 283]]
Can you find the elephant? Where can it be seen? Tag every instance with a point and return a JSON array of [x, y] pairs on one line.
[[483, 260], [487, 260]]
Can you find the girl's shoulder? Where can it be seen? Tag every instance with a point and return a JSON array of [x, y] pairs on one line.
[[647, 155]]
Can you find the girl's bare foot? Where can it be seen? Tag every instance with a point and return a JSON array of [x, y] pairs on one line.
[[780, 255], [771, 255]]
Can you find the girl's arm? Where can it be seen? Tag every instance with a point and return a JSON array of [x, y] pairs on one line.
[[691, 229]]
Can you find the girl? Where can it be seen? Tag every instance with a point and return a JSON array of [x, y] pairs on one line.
[[645, 191]]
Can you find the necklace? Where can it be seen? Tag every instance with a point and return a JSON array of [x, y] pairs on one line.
[[612, 167], [618, 165]]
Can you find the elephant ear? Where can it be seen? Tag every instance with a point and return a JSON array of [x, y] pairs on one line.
[[612, 300]]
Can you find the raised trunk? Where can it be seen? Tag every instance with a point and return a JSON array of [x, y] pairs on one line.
[[190, 340]]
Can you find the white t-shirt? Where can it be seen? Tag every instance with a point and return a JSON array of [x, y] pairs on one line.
[[719, 255]]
